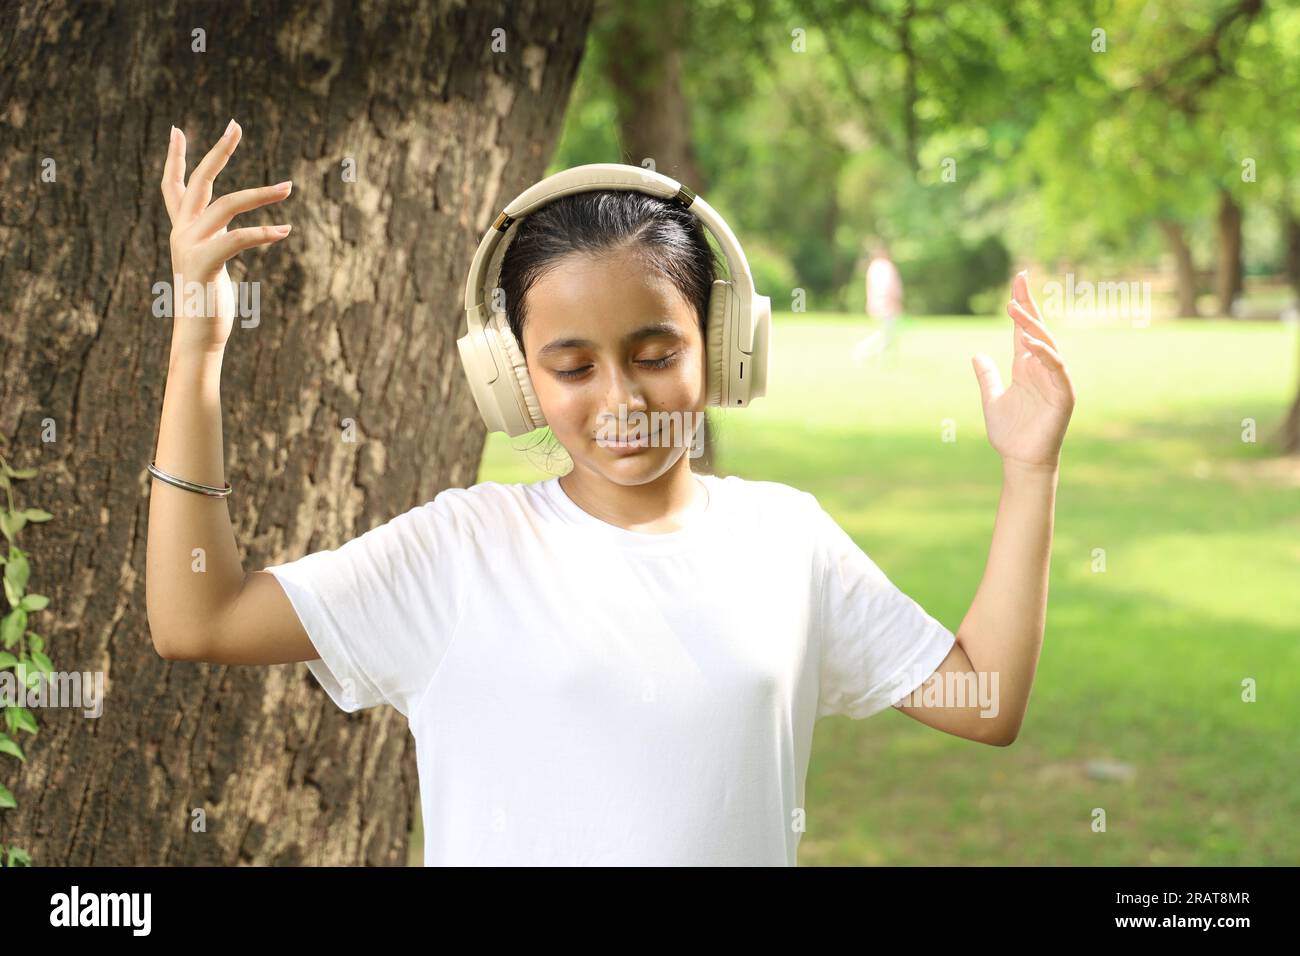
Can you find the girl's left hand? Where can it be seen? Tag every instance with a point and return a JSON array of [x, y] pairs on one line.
[[1026, 423]]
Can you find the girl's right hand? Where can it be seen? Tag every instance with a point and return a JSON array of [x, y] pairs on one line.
[[200, 244]]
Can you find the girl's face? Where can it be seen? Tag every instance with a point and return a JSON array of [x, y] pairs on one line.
[[608, 333]]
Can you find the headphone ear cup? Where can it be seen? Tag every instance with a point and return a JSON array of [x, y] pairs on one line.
[[719, 309], [519, 368]]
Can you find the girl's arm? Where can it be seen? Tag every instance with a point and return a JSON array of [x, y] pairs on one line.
[[196, 600], [981, 690]]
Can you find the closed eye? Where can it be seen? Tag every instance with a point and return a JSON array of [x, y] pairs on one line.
[[658, 363]]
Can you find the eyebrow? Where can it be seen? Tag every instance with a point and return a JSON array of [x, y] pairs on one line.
[[645, 332]]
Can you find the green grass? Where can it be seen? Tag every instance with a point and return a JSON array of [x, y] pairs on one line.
[[1142, 663]]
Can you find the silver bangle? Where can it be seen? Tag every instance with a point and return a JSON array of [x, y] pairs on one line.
[[209, 490]]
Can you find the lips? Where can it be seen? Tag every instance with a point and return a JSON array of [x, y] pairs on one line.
[[643, 441]]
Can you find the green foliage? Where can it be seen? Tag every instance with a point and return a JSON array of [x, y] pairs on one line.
[[24, 650], [941, 125], [950, 272]]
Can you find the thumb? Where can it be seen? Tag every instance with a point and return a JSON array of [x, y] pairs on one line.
[[986, 370]]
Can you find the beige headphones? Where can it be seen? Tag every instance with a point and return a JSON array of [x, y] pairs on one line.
[[739, 318]]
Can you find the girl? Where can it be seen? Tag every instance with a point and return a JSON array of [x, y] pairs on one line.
[[622, 665]]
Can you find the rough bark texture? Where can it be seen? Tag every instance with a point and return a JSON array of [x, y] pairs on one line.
[[360, 309], [1185, 269]]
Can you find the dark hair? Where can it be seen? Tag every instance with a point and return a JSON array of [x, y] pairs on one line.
[[665, 233]]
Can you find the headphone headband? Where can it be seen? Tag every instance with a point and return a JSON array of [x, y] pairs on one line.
[[506, 404]]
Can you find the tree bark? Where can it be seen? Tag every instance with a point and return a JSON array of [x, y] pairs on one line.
[[1185, 269], [359, 311], [1228, 279]]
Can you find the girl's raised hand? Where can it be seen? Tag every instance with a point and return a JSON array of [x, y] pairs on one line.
[[202, 295], [1026, 423]]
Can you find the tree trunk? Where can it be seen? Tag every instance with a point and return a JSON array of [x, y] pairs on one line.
[[1185, 269], [643, 64], [1289, 436], [1228, 279], [359, 311]]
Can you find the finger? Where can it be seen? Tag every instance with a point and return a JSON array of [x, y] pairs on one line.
[[1020, 286], [199, 190], [231, 243], [1033, 303], [1055, 364], [986, 371], [1029, 324], [173, 179], [219, 213]]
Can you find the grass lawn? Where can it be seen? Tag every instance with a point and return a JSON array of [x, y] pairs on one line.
[[1143, 661]]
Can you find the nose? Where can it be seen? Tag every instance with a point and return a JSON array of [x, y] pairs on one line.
[[623, 390]]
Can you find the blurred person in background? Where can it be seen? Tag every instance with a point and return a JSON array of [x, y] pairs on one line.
[[884, 302]]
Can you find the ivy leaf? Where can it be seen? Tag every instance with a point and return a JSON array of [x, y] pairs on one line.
[[10, 746], [34, 602], [29, 675], [19, 857], [17, 570], [7, 801], [11, 523], [36, 514], [23, 719], [12, 627]]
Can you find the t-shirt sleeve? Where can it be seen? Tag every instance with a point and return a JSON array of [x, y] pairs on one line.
[[381, 609], [876, 643]]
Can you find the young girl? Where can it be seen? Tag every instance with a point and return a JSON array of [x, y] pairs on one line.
[[622, 665]]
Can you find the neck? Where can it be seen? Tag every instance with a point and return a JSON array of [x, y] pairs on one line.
[[663, 504]]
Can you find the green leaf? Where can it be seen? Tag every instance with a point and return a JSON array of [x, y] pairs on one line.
[[10, 746], [36, 514], [20, 472], [19, 857], [7, 801], [11, 524], [43, 662], [28, 674], [34, 602], [35, 641], [23, 719], [17, 571], [12, 627], [7, 660]]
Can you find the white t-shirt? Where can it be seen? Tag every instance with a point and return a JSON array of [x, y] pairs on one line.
[[582, 694]]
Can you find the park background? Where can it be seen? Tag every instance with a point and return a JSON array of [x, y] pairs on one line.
[[1136, 151], [1139, 159]]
